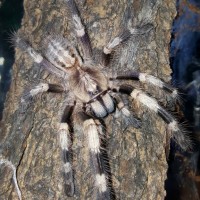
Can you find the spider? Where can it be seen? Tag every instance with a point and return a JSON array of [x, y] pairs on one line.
[[94, 94]]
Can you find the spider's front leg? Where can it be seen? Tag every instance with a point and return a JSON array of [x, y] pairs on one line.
[[120, 38], [80, 30], [37, 57]]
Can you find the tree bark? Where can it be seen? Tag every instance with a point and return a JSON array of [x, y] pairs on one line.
[[136, 156]]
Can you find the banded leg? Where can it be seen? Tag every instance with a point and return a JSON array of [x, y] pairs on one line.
[[126, 114], [122, 37], [80, 29], [98, 165], [148, 79], [37, 57], [112, 44], [65, 144], [180, 137], [41, 88]]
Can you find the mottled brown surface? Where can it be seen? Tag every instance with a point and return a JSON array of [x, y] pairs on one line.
[[29, 140]]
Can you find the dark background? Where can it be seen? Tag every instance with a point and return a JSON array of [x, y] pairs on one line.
[[11, 13]]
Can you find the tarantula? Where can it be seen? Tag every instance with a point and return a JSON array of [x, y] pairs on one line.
[[92, 95]]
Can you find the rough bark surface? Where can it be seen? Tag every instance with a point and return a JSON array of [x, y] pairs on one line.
[[136, 156]]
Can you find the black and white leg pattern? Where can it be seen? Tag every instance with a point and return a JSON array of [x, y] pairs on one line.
[[151, 103], [65, 144], [121, 38], [80, 30], [127, 116], [98, 165], [37, 57], [148, 79], [39, 89]]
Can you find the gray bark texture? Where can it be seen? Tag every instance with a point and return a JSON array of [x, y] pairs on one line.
[[29, 140]]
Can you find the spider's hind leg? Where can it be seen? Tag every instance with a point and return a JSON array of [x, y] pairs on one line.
[[97, 159], [127, 116], [65, 144], [178, 135], [112, 45]]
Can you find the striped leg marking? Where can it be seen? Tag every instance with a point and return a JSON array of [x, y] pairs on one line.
[[60, 52], [173, 126], [112, 44], [65, 144], [98, 165], [41, 88], [149, 79], [80, 29], [127, 115], [122, 37], [37, 57], [91, 131], [102, 105]]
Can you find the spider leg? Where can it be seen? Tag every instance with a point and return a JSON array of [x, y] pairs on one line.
[[182, 139], [126, 114], [65, 144], [41, 88], [148, 79], [38, 58], [119, 39], [80, 30], [98, 165], [112, 44]]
